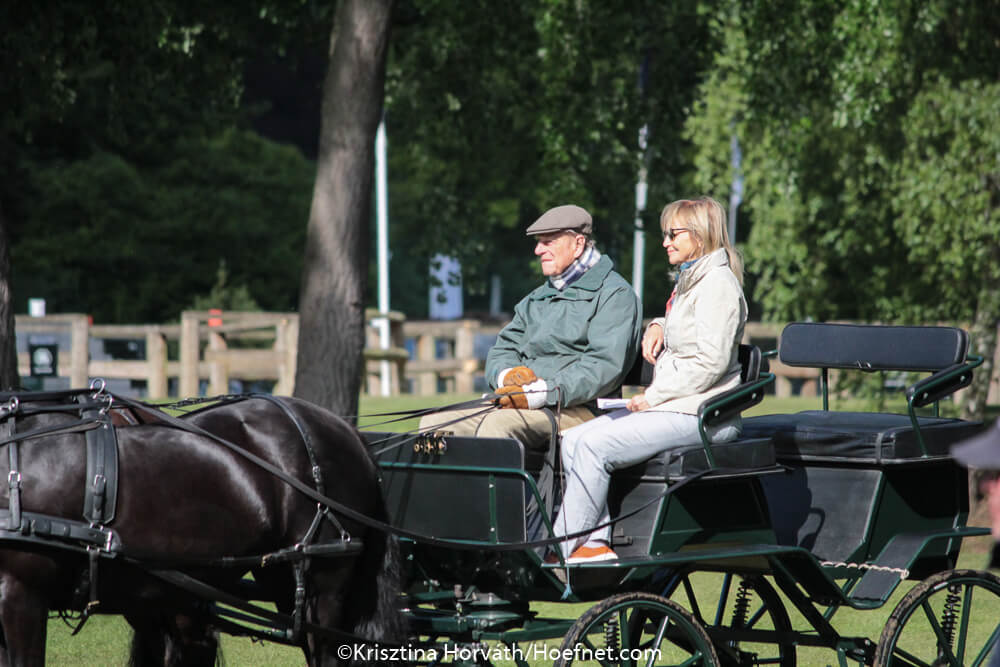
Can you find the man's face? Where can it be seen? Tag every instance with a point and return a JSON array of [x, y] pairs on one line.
[[558, 250]]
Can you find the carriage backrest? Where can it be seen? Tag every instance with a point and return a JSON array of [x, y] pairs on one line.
[[872, 347]]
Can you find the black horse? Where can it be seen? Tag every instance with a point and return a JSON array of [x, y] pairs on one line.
[[209, 498]]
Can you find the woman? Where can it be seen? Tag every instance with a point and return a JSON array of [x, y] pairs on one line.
[[694, 349]]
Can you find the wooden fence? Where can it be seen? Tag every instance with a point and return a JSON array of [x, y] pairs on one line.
[[208, 349], [205, 347]]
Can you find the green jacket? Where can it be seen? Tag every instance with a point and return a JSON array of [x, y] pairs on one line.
[[582, 340]]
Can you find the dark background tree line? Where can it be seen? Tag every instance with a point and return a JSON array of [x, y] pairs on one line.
[[144, 146]]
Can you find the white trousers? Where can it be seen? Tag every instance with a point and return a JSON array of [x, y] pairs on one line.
[[592, 451]]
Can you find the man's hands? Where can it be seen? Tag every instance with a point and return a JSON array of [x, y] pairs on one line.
[[652, 343], [518, 376], [512, 396], [530, 396]]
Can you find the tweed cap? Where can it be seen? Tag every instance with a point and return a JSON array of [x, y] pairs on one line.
[[980, 451], [562, 218]]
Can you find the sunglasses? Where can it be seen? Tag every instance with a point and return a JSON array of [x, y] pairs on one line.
[[671, 234]]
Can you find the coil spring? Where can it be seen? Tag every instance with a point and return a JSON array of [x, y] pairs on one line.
[[611, 635], [741, 606], [950, 613]]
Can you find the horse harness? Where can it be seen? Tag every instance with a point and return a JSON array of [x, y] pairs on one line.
[[90, 535]]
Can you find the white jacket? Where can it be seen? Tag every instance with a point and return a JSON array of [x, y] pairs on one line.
[[702, 332]]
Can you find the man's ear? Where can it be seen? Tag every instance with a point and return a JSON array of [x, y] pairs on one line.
[[581, 245]]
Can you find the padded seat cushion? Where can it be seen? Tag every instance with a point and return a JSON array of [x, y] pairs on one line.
[[867, 437], [742, 454]]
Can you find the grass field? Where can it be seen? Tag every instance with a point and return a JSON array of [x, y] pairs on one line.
[[104, 640]]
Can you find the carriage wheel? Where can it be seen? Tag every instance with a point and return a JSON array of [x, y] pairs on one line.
[[947, 619], [637, 629], [736, 604]]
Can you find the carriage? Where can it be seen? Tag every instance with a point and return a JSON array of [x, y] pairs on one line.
[[734, 554]]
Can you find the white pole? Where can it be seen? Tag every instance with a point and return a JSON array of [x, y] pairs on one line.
[[736, 194], [639, 236], [382, 227]]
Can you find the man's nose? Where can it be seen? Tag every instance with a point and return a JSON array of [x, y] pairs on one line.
[[539, 249]]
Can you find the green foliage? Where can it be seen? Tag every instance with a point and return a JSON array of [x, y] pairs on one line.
[[130, 243], [496, 114], [225, 296], [870, 140], [868, 133]]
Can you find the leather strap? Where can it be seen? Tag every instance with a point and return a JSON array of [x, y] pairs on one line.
[[14, 476], [101, 486], [42, 529]]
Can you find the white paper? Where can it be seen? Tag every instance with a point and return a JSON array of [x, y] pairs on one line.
[[612, 403]]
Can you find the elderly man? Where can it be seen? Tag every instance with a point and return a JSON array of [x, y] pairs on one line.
[[571, 340]]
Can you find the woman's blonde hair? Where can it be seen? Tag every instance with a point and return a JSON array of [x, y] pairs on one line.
[[706, 220]]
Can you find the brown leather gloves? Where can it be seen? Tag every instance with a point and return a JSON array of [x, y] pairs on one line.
[[519, 375], [512, 396]]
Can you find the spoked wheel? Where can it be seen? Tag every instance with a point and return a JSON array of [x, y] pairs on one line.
[[947, 619], [737, 610], [637, 629]]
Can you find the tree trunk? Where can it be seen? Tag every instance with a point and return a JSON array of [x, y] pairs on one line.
[[8, 349], [335, 270]]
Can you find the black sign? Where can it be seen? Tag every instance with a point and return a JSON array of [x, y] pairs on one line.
[[44, 360]]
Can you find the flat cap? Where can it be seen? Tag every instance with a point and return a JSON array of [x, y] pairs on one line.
[[980, 451], [562, 218]]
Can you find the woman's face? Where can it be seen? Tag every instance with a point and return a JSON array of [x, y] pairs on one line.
[[682, 245]]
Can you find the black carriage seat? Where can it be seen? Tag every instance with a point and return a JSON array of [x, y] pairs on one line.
[[862, 484], [865, 436]]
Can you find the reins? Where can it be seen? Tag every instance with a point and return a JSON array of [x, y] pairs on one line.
[[375, 524]]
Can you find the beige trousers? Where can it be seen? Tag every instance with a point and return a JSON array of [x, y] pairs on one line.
[[531, 427]]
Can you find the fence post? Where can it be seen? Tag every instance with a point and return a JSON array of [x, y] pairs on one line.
[[156, 359], [465, 353], [426, 380], [188, 381], [218, 367], [79, 351], [286, 342]]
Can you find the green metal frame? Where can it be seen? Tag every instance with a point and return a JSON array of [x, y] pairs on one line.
[[943, 379], [492, 473], [712, 408]]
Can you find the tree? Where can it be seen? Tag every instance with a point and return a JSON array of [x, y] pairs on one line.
[[123, 142], [870, 135], [497, 112], [334, 276], [8, 350]]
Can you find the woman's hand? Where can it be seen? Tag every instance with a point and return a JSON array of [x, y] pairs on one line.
[[652, 343], [638, 403]]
